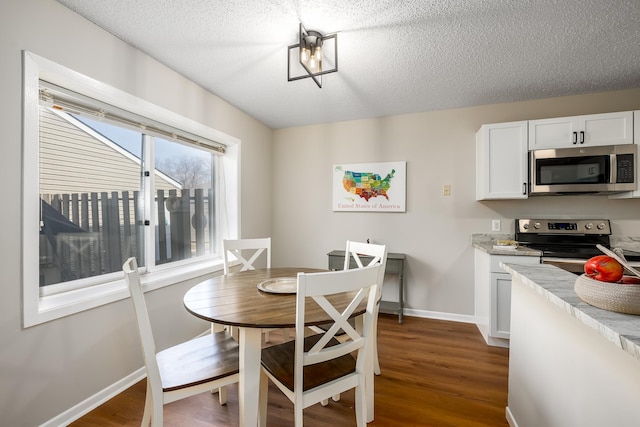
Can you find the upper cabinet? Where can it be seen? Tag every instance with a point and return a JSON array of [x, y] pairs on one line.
[[593, 130], [636, 130], [501, 161]]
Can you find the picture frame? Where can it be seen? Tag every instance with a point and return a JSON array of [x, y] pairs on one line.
[[370, 187]]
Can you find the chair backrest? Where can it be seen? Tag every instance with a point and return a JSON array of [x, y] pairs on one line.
[[369, 253], [363, 283], [356, 250], [130, 268], [235, 248]]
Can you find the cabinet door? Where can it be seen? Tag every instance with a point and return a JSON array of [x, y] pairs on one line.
[[592, 130], [606, 129], [561, 132], [501, 161], [501, 310]]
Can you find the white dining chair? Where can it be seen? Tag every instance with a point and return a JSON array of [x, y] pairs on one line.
[[248, 252], [372, 254], [309, 370], [186, 369]]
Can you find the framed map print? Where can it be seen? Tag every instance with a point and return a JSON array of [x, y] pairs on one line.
[[370, 187]]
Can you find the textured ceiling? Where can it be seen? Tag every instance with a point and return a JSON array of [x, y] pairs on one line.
[[395, 56]]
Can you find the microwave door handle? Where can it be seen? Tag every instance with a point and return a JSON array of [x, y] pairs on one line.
[[613, 169]]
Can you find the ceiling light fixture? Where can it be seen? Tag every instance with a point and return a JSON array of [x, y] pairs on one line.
[[313, 56]]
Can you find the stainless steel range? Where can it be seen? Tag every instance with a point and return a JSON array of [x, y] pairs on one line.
[[568, 243]]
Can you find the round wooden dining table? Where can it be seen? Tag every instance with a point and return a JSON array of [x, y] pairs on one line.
[[235, 300]]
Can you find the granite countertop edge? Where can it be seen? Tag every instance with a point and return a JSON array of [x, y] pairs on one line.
[[556, 285], [519, 251]]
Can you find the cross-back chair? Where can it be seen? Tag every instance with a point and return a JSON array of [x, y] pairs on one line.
[[365, 254], [309, 370], [238, 249], [184, 370], [247, 252]]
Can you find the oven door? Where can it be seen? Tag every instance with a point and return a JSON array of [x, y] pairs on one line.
[[572, 265]]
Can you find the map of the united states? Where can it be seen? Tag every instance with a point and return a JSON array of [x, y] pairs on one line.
[[366, 184]]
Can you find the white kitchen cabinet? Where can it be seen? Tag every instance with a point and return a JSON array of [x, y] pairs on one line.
[[636, 138], [501, 161], [589, 130], [492, 299]]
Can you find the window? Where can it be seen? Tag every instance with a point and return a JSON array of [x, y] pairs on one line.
[[108, 176]]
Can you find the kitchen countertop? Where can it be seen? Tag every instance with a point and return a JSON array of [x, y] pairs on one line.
[[519, 251], [556, 285]]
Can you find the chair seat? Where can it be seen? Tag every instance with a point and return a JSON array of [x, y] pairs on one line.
[[279, 361], [198, 361]]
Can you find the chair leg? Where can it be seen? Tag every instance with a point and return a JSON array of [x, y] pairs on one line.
[[324, 402], [222, 395], [263, 399], [336, 398], [376, 364], [298, 416], [360, 407], [148, 407], [234, 332], [157, 417]]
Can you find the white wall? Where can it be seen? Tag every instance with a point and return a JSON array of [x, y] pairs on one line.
[[49, 368], [435, 232]]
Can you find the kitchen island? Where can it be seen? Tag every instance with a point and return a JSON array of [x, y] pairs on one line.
[[570, 364]]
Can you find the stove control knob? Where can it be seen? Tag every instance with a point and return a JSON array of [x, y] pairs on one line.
[[536, 225], [525, 225], [589, 226], [601, 226]]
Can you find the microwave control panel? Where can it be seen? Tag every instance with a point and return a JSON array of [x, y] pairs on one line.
[[625, 170]]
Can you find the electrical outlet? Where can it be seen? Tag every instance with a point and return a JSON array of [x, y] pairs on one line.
[[495, 225], [446, 190]]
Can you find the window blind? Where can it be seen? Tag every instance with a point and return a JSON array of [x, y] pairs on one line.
[[74, 103]]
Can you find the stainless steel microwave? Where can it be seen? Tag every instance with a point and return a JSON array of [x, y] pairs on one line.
[[590, 170]]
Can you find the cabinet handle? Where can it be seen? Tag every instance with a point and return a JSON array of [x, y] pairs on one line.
[[524, 188], [575, 137], [581, 137]]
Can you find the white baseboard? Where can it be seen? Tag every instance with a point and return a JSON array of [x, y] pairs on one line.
[[89, 404], [463, 318], [510, 419]]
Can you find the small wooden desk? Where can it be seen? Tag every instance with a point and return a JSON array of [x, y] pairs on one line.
[[235, 300], [395, 265]]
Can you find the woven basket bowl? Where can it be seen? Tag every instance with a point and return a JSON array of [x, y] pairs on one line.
[[618, 297]]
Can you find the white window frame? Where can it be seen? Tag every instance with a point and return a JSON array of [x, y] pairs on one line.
[[39, 309]]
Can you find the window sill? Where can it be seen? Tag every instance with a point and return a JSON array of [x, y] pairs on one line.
[[53, 307]]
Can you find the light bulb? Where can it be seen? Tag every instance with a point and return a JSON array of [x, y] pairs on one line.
[[318, 54], [304, 54], [312, 63]]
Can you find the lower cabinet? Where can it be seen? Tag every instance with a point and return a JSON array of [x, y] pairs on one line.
[[492, 299]]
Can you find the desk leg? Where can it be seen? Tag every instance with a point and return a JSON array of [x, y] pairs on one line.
[[401, 302], [249, 386]]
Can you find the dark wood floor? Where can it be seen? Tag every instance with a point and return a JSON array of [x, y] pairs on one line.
[[434, 373]]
